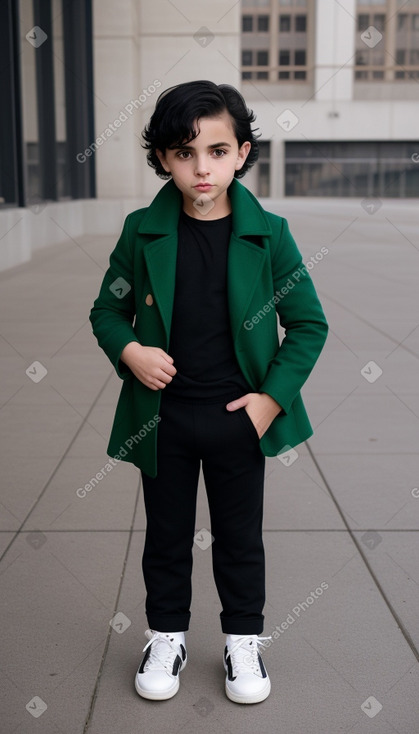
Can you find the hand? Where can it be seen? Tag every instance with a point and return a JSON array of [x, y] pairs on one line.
[[260, 407], [151, 365]]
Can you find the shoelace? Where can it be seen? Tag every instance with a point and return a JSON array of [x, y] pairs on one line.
[[161, 658], [244, 654]]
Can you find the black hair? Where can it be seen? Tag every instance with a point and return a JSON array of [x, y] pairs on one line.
[[177, 108]]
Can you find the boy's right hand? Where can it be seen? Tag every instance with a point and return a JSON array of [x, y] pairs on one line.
[[151, 365]]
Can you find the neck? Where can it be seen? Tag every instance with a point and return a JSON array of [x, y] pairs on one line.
[[217, 211]]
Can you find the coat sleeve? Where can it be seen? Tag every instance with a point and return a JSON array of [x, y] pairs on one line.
[[301, 315], [113, 311]]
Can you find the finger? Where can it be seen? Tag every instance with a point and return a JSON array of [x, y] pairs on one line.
[[164, 377], [157, 384], [236, 404], [170, 369], [167, 357]]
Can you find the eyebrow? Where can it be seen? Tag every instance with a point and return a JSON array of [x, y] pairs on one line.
[[190, 147]]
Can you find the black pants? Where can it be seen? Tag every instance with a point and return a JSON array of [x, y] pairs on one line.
[[233, 467]]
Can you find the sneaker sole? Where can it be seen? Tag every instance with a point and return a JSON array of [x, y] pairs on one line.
[[160, 695], [255, 698]]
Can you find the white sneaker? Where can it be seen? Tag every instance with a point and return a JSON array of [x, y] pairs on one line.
[[165, 656], [247, 680]]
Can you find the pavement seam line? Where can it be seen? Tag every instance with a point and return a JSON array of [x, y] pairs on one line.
[[55, 470], [390, 607], [94, 696], [369, 324]]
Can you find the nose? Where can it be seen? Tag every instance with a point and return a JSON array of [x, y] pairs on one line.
[[201, 166]]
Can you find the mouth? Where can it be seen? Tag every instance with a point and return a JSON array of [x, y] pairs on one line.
[[203, 187]]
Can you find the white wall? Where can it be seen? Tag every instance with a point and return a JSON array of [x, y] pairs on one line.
[[142, 48], [116, 83], [334, 49]]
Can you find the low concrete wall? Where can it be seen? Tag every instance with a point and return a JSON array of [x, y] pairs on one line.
[[24, 231]]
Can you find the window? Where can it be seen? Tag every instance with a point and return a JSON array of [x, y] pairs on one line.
[[361, 60], [377, 58], [255, 58], [358, 169], [364, 55], [401, 64], [292, 58], [247, 23], [262, 58], [284, 58], [408, 62], [402, 21], [251, 22], [300, 60], [263, 23], [400, 60], [363, 21], [284, 23], [301, 23], [379, 22], [246, 58], [283, 40], [246, 61]]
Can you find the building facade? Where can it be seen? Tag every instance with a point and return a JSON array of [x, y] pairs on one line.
[[345, 76], [334, 85]]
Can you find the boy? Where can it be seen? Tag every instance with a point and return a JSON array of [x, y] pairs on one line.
[[204, 271]]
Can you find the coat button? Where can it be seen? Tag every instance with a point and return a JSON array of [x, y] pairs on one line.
[[149, 299]]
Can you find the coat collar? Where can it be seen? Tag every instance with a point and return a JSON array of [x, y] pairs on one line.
[[162, 215]]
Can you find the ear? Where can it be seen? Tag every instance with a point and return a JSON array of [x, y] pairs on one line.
[[162, 159], [242, 155]]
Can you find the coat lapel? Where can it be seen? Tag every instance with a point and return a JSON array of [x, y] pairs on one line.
[[245, 257], [161, 220]]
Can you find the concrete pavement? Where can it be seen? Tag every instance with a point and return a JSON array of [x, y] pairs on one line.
[[341, 517]]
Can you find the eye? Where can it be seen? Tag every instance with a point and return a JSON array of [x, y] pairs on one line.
[[220, 150], [182, 153]]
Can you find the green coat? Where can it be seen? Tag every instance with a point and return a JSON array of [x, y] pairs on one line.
[[265, 277]]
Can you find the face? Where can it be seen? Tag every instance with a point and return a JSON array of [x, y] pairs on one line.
[[204, 168]]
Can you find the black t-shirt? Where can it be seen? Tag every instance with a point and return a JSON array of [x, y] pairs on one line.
[[201, 343]]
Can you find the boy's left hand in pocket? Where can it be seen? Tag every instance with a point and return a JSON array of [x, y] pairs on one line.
[[260, 407]]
